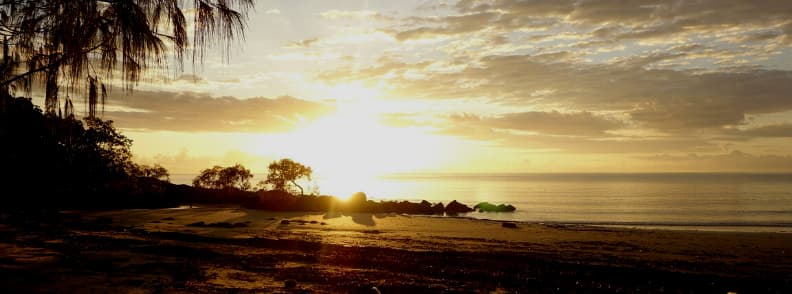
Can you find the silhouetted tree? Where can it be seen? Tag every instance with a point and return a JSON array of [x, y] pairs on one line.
[[286, 171], [75, 45], [156, 171], [112, 147], [219, 177]]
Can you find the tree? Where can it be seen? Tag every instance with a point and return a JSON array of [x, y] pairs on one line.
[[156, 171], [219, 177], [73, 46], [287, 171], [112, 147]]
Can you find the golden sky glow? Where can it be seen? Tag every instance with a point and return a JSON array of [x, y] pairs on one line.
[[361, 88]]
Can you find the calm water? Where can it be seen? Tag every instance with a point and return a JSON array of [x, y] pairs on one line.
[[742, 202]]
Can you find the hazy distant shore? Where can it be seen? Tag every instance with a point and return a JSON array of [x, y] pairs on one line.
[[159, 250]]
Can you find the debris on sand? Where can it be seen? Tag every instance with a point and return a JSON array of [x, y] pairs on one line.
[[510, 225]]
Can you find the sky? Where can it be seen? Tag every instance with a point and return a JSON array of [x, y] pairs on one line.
[[356, 88]]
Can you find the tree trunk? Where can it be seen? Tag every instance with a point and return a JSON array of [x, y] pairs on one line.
[[298, 186]]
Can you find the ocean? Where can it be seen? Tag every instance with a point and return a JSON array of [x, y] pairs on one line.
[[702, 201]]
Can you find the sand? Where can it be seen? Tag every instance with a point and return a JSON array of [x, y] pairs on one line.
[[157, 250]]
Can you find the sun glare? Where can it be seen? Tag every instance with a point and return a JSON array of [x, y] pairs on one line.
[[349, 149]]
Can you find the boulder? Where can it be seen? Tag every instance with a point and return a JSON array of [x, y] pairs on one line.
[[438, 208], [489, 207], [424, 208], [454, 208], [509, 225], [197, 224]]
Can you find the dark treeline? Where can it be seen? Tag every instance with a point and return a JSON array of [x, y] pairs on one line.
[[52, 160]]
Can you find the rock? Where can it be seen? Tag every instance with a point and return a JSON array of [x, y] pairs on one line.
[[489, 207], [424, 208], [357, 198], [285, 222], [454, 208], [438, 208], [220, 225], [289, 284], [510, 225], [197, 224]]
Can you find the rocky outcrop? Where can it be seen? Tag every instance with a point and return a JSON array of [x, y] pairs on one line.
[[454, 208], [489, 207]]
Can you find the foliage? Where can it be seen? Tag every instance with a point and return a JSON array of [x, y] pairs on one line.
[[111, 147], [155, 171], [48, 155], [224, 178], [76, 45], [286, 171]]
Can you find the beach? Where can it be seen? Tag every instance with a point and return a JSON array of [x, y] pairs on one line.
[[240, 250]]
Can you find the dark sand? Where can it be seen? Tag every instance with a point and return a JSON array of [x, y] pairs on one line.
[[145, 251]]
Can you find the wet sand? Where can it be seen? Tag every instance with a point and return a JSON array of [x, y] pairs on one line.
[[147, 251]]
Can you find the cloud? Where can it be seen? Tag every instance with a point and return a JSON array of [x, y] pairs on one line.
[[451, 25], [191, 78], [355, 14], [195, 112], [739, 32], [552, 123], [566, 144], [551, 131], [303, 43], [735, 161], [667, 100], [636, 19], [766, 131]]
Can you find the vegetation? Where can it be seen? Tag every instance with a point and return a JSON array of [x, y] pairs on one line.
[[74, 46], [52, 157], [66, 47], [286, 171], [224, 178], [155, 171]]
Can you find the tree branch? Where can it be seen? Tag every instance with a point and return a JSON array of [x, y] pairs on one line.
[[48, 66]]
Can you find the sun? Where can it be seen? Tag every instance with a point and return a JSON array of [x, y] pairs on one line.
[[349, 149]]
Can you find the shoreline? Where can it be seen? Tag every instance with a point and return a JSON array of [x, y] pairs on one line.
[[725, 227], [150, 250], [781, 228]]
